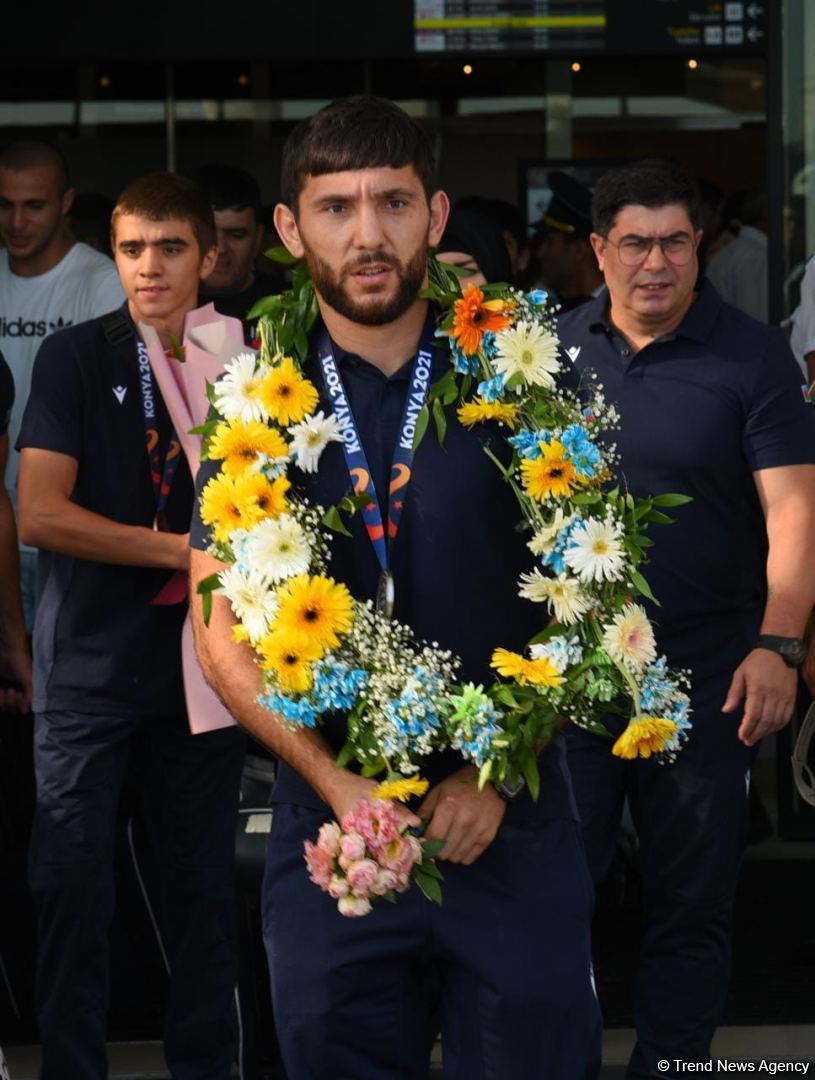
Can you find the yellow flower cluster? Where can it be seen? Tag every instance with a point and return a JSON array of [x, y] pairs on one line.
[[478, 411], [644, 736], [540, 672]]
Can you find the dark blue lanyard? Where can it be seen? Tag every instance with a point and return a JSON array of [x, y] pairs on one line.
[[162, 472], [355, 458]]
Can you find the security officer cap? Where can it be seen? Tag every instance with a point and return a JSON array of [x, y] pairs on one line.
[[569, 209]]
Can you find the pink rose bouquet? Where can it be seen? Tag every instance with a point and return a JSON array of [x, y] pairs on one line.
[[371, 855]]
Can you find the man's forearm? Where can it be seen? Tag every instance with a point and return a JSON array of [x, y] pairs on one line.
[[231, 670], [790, 568], [62, 526]]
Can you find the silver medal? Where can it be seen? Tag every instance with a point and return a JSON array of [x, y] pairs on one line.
[[385, 594]]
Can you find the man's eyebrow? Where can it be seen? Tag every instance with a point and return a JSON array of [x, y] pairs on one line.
[[648, 236], [386, 193], [162, 241]]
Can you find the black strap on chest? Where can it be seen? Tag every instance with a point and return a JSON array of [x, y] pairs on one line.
[[118, 332]]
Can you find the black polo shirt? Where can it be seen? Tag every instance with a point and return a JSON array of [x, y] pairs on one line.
[[100, 645], [701, 410], [457, 557], [6, 395]]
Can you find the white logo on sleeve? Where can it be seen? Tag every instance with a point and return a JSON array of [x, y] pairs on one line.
[[120, 392], [573, 352]]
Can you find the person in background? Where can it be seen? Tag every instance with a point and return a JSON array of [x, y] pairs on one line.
[[739, 270], [710, 407], [474, 242], [235, 284], [712, 202], [509, 219], [560, 246], [110, 513], [47, 281]]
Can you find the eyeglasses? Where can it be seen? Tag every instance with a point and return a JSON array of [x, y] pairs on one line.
[[634, 250]]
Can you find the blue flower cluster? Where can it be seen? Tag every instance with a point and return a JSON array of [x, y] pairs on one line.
[[660, 696], [527, 442], [474, 736], [463, 364], [584, 454], [413, 714], [491, 389], [556, 557], [537, 297], [336, 686], [562, 651]]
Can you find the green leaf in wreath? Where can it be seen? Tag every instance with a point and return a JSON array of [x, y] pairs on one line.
[[422, 420], [332, 520], [642, 586], [440, 420], [429, 886]]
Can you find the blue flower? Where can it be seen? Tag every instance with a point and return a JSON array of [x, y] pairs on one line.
[[413, 714], [464, 365], [336, 686], [538, 297], [492, 389], [527, 442], [299, 711], [555, 558], [488, 345], [584, 454]]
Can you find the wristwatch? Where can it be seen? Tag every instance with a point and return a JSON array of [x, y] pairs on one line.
[[510, 790], [792, 650]]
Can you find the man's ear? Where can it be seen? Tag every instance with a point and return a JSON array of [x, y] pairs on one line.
[[68, 200], [439, 212], [598, 245], [208, 262], [286, 224]]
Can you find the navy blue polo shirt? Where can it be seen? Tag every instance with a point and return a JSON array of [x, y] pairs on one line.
[[701, 410], [100, 646], [6, 394], [456, 559]]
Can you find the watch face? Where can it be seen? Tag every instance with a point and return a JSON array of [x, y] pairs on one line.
[[795, 652]]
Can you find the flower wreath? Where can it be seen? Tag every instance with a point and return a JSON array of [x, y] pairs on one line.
[[321, 650]]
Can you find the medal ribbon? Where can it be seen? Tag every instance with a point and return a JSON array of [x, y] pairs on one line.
[[355, 458], [162, 470]]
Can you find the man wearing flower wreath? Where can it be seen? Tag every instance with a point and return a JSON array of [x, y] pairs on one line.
[[507, 950], [710, 406], [107, 496]]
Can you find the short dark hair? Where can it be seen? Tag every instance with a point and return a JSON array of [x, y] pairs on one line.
[[26, 154], [159, 196], [654, 182], [360, 132], [228, 187]]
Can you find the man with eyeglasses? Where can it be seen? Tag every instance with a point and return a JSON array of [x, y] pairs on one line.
[[710, 406]]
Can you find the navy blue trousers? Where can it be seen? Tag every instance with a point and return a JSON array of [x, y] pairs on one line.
[[691, 819], [191, 789], [503, 965]]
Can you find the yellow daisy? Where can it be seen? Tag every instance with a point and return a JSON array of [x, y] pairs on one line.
[[550, 474], [402, 789], [539, 672], [239, 502], [645, 735], [478, 410], [286, 395], [290, 655], [238, 443], [316, 606]]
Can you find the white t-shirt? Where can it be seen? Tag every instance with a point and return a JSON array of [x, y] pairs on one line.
[[802, 335], [80, 287], [739, 272]]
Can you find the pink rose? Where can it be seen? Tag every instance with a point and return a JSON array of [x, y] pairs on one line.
[[352, 846], [385, 881], [320, 865], [362, 876], [338, 886], [402, 882], [376, 821], [328, 838], [353, 906]]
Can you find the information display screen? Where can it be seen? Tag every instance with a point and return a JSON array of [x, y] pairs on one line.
[[579, 27]]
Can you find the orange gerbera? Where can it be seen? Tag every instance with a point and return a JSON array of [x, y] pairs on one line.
[[473, 315]]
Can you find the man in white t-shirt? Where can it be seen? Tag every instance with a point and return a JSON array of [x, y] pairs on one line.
[[47, 280]]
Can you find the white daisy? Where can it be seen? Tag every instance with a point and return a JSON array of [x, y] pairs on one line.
[[629, 639], [277, 548], [527, 350], [595, 550], [310, 438], [544, 539], [236, 393], [563, 595], [254, 604]]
